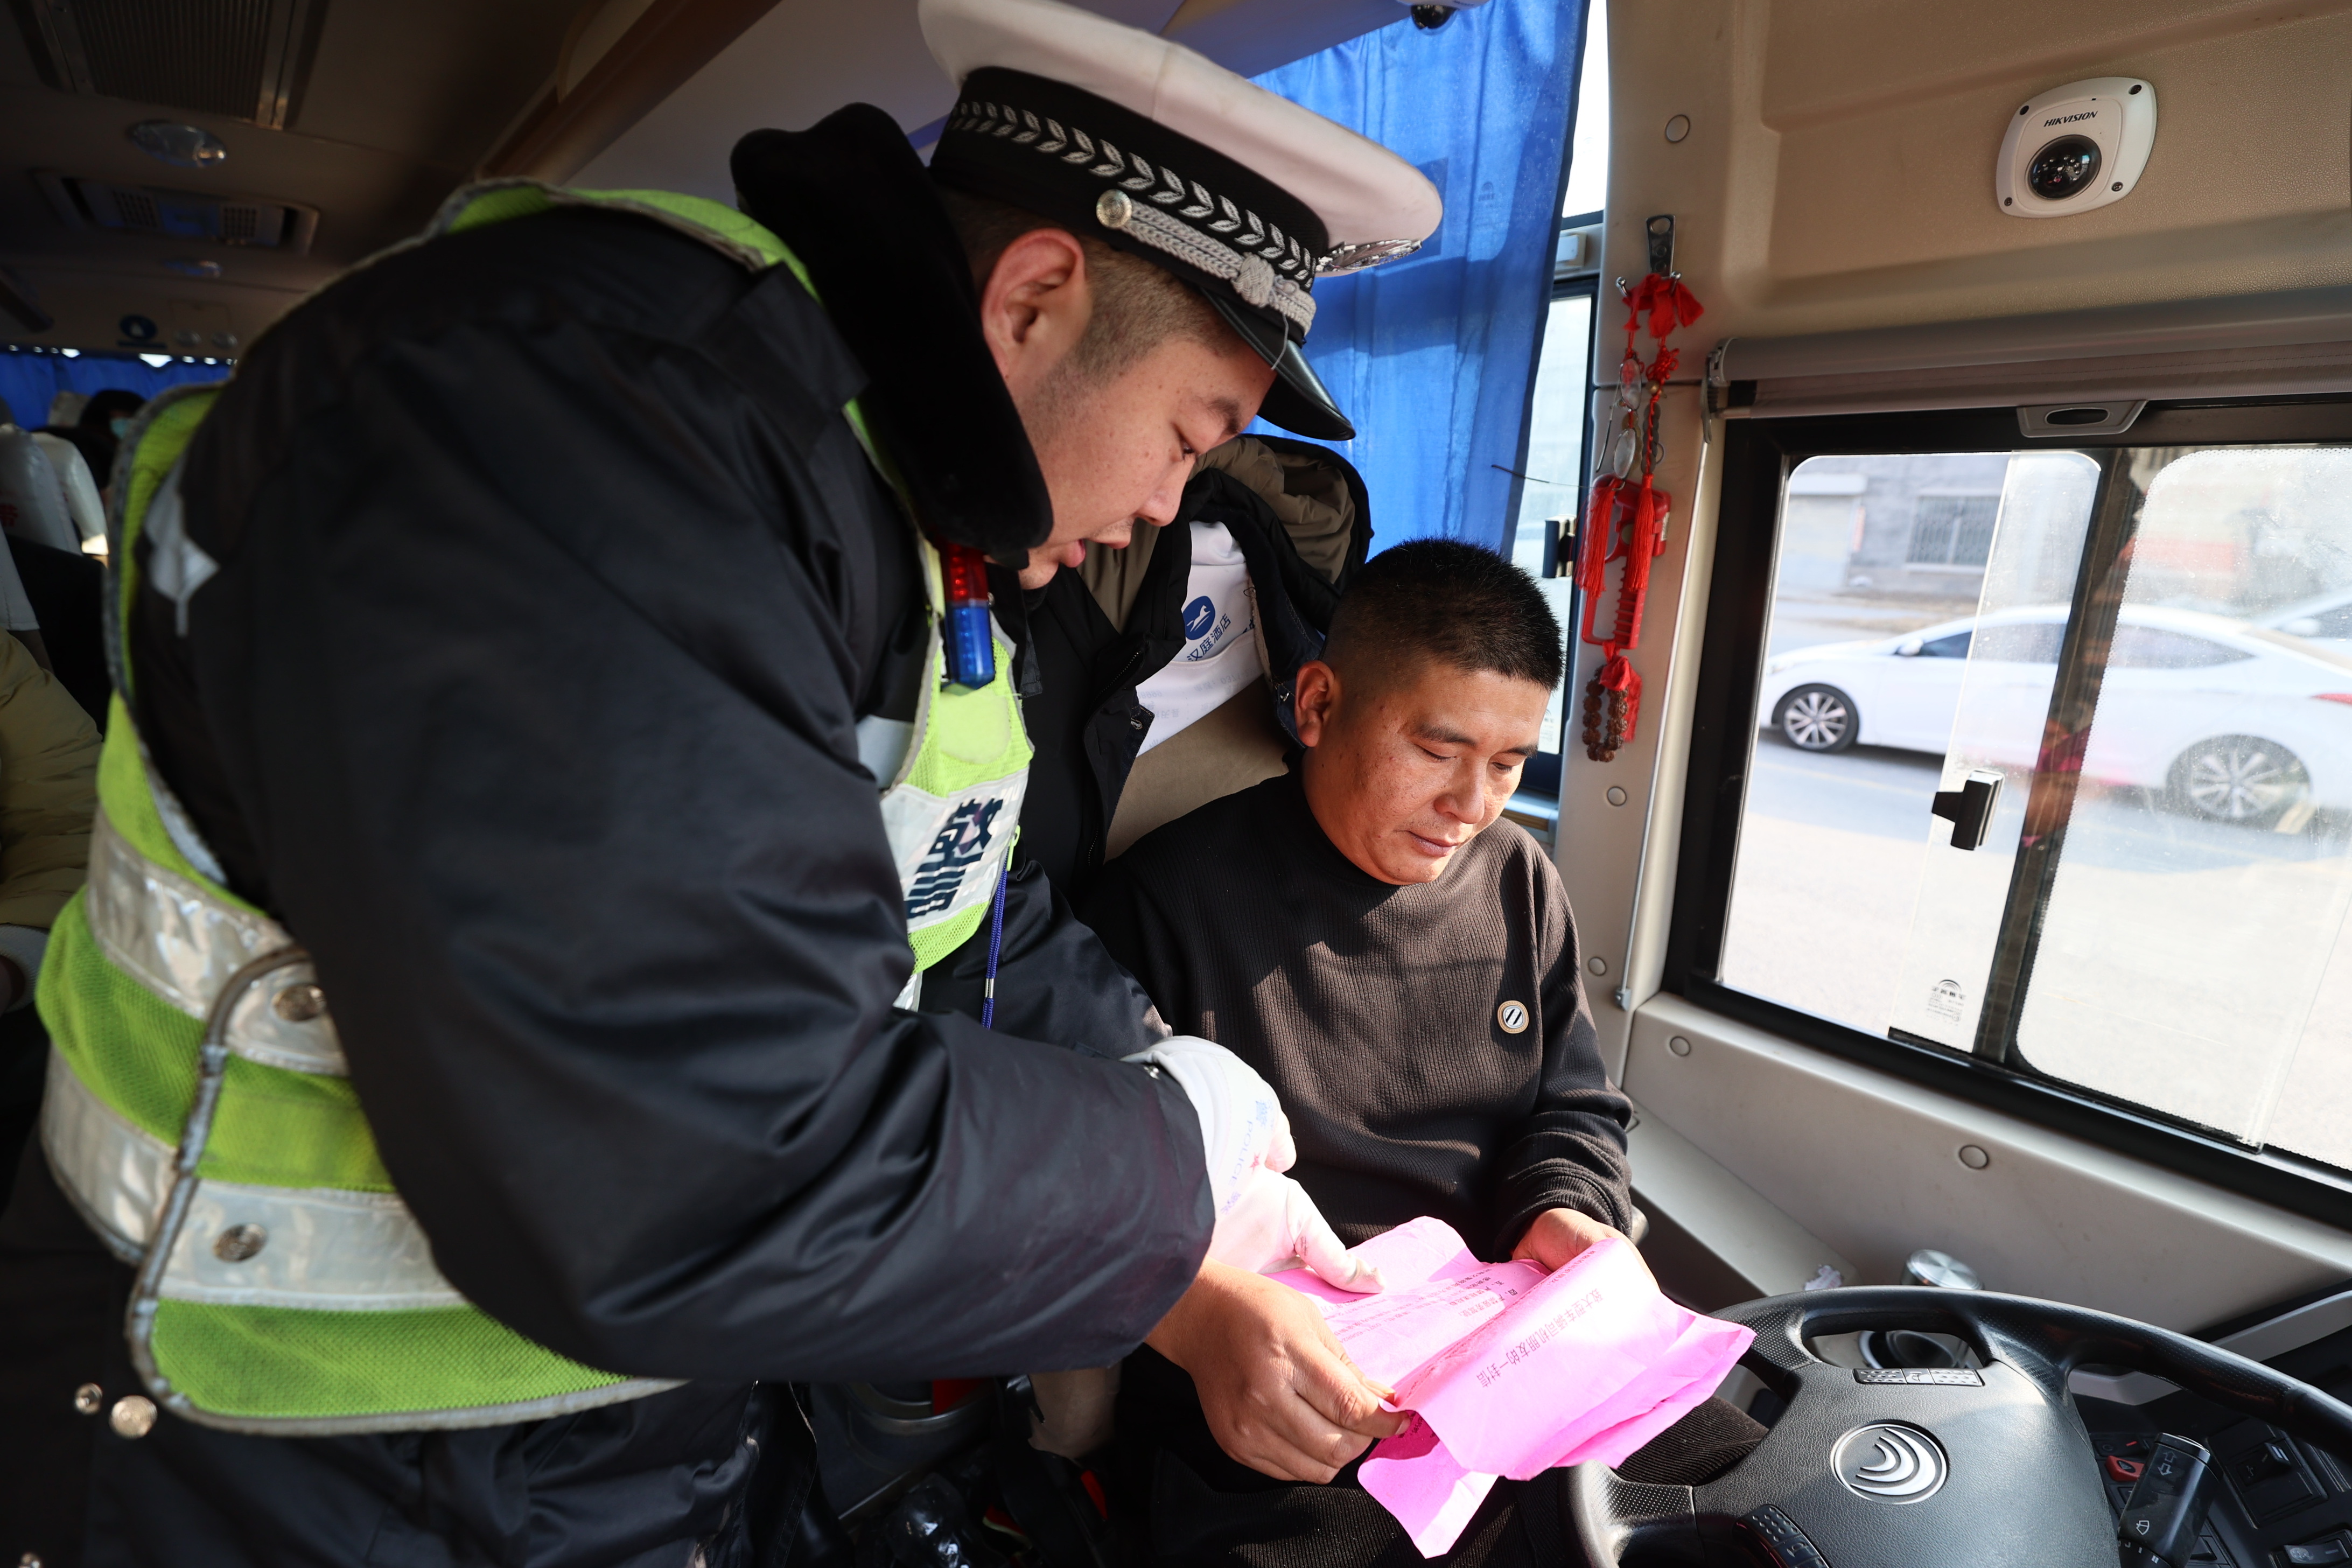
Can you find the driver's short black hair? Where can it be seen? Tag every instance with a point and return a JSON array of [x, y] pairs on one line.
[[1440, 599]]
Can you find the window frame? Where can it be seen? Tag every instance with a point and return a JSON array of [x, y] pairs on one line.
[[1758, 455], [1541, 776], [1587, 284]]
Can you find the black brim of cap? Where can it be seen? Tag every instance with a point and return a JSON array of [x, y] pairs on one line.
[[1298, 401]]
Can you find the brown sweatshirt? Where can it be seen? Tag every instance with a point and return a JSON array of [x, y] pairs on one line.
[[1379, 1013]]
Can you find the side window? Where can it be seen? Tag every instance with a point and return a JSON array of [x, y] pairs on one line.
[[2154, 647], [2160, 910], [1555, 469], [1549, 496], [2026, 642], [1832, 844]]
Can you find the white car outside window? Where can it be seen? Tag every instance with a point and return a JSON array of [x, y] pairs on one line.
[[2229, 720]]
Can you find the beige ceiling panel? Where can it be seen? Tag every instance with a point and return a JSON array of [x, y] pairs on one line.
[[1832, 60], [17, 67], [791, 68], [1910, 183], [433, 80], [403, 97], [1254, 36], [1839, 171], [807, 57], [366, 198], [594, 31]]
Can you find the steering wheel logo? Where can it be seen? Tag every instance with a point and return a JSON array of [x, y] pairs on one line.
[[1891, 1464]]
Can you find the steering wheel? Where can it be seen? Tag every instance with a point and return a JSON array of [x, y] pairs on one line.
[[1904, 1467]]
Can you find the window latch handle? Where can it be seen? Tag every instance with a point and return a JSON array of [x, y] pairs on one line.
[[1969, 808]]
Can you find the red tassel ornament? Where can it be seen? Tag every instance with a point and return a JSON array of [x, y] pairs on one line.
[[1625, 519]]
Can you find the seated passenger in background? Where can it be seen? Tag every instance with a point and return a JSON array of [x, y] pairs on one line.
[[1402, 967]]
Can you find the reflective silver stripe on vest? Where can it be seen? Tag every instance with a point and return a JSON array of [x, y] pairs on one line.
[[115, 1173], [179, 941], [319, 1249]]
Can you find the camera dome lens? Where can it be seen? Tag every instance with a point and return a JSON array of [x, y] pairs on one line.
[[2064, 168]]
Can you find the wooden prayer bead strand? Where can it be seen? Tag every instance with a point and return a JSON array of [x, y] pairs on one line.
[[1606, 712]]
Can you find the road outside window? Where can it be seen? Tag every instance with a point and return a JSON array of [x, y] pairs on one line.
[[2158, 912]]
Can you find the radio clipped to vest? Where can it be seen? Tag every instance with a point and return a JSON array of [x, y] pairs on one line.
[[971, 646]]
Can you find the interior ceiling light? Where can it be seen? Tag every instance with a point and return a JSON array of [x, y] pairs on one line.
[[190, 267], [182, 146]]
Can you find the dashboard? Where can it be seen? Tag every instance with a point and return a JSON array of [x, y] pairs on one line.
[[2276, 1502]]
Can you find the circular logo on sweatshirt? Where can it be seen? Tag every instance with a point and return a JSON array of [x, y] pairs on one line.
[[1513, 1016], [1199, 616]]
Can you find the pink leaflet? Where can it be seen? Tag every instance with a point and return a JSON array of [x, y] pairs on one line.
[[1412, 1476], [1514, 1372], [1436, 1293]]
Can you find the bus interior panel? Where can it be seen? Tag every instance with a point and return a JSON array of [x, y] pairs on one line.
[[1976, 880]]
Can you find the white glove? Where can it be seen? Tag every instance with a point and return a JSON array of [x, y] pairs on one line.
[[1262, 1218], [1273, 1223]]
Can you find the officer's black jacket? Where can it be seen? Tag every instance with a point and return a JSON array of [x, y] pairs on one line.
[[553, 583], [1083, 714]]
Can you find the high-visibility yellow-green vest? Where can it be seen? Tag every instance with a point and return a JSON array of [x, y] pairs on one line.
[[199, 1112]]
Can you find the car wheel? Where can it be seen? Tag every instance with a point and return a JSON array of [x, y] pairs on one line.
[[2239, 778], [1818, 719]]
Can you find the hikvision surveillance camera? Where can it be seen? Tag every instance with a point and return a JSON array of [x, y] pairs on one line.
[[2075, 147]]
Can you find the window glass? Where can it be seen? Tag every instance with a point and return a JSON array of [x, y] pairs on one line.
[[1554, 481], [1552, 491], [2334, 622], [2156, 648], [2018, 642], [2161, 910], [2190, 950], [1997, 725], [1559, 593], [1587, 149], [1852, 734]]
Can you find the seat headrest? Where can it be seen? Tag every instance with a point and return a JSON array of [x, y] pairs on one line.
[[32, 503]]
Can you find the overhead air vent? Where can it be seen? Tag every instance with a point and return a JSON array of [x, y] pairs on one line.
[[85, 202], [243, 59]]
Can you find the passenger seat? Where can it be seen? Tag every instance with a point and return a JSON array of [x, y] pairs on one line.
[[1308, 507]]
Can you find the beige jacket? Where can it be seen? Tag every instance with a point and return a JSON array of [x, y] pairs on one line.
[[48, 790]]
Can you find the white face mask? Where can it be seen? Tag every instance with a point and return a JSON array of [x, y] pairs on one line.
[[118, 427]]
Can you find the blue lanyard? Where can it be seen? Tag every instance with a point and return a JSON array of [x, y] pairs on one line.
[[995, 948]]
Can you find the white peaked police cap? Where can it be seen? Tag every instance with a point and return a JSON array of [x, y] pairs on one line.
[[1146, 146]]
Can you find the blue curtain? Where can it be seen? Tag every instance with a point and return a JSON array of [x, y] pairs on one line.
[[1431, 356], [28, 381]]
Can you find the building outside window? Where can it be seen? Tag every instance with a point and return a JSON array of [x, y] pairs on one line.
[[1952, 529]]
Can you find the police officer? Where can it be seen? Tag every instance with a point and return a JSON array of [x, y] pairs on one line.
[[555, 726]]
